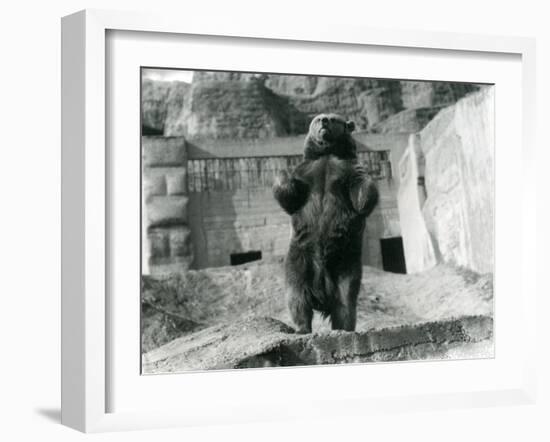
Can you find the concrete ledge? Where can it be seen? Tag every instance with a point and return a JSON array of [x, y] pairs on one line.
[[267, 342], [282, 146], [166, 211], [163, 151]]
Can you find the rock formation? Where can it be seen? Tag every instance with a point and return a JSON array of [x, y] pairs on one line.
[[234, 105], [458, 147], [266, 342], [292, 84], [229, 109], [363, 100], [457, 151], [160, 100]]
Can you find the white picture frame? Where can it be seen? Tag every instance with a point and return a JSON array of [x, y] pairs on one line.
[[85, 203]]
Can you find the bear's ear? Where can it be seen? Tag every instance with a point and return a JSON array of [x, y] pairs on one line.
[[350, 126]]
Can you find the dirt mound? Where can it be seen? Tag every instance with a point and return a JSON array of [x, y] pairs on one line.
[[188, 302]]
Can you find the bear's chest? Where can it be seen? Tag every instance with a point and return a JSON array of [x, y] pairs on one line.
[[328, 222], [328, 178]]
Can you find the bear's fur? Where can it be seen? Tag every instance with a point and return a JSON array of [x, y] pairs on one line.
[[328, 196]]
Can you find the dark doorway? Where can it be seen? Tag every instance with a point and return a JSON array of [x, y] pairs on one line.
[[242, 258], [147, 130], [393, 256]]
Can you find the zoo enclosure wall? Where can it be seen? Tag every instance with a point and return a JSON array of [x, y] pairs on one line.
[[204, 201]]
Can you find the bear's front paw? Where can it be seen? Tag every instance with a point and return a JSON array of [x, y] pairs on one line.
[[360, 171], [364, 195], [290, 192], [303, 331], [281, 179]]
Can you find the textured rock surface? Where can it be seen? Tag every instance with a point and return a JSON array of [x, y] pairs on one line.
[[292, 84], [266, 342], [409, 121], [154, 96], [225, 295], [230, 109], [446, 193], [160, 100], [458, 147], [420, 94], [365, 101], [177, 96], [233, 105], [199, 76], [417, 243]]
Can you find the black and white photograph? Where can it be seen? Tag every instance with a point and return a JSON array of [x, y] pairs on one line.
[[303, 220], [288, 221]]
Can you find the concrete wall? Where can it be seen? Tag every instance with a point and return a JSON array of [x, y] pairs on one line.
[[232, 209], [236, 221], [166, 245], [204, 203], [382, 223], [223, 222], [458, 213]]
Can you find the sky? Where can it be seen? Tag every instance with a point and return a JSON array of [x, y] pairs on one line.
[[168, 75]]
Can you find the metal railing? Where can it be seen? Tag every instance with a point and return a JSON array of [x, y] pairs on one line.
[[222, 174]]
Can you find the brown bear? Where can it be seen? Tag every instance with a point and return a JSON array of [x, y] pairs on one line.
[[328, 196]]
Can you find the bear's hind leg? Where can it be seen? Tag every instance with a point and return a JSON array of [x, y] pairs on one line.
[[344, 312], [300, 311]]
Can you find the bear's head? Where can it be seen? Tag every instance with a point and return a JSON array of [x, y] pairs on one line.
[[330, 134]]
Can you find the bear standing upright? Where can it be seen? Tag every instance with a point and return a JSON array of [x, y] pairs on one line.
[[328, 196]]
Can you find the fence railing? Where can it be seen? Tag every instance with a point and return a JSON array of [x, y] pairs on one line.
[[222, 174]]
